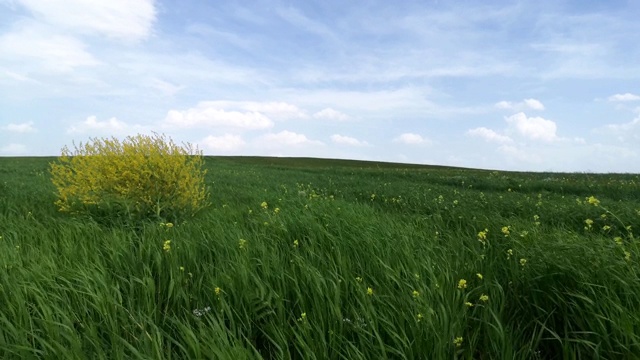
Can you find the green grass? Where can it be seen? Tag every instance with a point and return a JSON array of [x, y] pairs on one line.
[[74, 288]]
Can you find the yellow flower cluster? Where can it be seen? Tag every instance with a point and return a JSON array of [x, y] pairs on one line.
[[462, 284], [143, 175]]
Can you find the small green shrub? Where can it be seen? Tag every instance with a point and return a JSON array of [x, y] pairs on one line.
[[142, 176]]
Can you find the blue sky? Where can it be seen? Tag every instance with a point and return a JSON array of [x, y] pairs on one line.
[[508, 85]]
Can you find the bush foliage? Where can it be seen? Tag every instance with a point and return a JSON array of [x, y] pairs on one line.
[[140, 177]]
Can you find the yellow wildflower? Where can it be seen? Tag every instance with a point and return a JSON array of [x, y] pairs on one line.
[[458, 341], [296, 243], [242, 243], [217, 290], [276, 210], [166, 246], [369, 291], [358, 279], [264, 205], [415, 293], [468, 304], [420, 317], [593, 201], [523, 262], [480, 276], [627, 255], [484, 297], [181, 268], [462, 284], [506, 230], [302, 317], [509, 254], [169, 225]]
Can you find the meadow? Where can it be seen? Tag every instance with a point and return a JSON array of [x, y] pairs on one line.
[[329, 259]]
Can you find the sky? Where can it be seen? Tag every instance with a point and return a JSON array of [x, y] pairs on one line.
[[504, 85]]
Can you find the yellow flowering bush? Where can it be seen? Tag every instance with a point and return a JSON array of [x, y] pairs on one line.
[[141, 176]]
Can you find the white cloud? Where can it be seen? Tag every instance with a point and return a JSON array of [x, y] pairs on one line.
[[411, 139], [21, 128], [287, 138], [165, 87], [489, 135], [209, 114], [635, 123], [624, 97], [13, 149], [92, 124], [122, 19], [526, 104], [52, 52], [535, 128], [248, 115], [347, 140], [225, 143], [331, 114]]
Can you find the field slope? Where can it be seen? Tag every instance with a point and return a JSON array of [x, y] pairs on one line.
[[329, 259]]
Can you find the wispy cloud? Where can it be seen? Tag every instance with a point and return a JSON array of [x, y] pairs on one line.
[[111, 126], [210, 115], [20, 128], [526, 104], [412, 139], [119, 19], [331, 114], [347, 140], [489, 135], [49, 52], [624, 97], [287, 138]]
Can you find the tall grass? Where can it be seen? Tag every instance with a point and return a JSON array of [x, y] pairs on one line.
[[311, 259]]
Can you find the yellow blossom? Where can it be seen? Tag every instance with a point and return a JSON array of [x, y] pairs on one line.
[[484, 297], [593, 201], [242, 243], [296, 243], [302, 317], [506, 230], [358, 279], [627, 255], [458, 341], [166, 246], [462, 284], [181, 268], [509, 254], [264, 205], [523, 262], [480, 276], [217, 290], [369, 291], [169, 225], [468, 304], [420, 317], [618, 240], [415, 293], [276, 210]]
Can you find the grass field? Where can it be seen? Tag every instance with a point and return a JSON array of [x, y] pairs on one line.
[[324, 259]]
